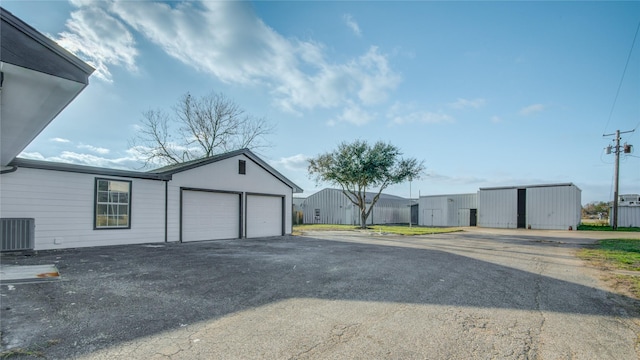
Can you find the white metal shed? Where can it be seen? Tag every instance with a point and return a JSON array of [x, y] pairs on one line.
[[546, 206], [628, 211], [448, 210]]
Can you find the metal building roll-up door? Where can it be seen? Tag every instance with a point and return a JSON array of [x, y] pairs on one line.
[[265, 216], [208, 215]]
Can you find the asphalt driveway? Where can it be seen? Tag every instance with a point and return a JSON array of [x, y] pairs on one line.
[[465, 295]]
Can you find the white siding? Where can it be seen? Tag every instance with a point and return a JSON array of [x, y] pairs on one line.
[[446, 210], [223, 176], [62, 204], [498, 208]]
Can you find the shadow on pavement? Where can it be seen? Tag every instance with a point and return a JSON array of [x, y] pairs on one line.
[[114, 294]]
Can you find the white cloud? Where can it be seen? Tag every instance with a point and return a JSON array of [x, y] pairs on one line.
[[353, 114], [70, 157], [496, 119], [95, 149], [226, 39], [352, 24], [465, 103], [531, 109], [99, 38], [298, 162], [407, 114], [60, 140]]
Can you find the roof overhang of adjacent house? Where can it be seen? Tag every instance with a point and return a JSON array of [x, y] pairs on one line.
[[38, 79]]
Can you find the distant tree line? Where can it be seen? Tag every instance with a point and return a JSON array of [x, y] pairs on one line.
[[596, 209]]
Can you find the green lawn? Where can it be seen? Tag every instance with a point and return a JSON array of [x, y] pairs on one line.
[[595, 227], [623, 254], [387, 229]]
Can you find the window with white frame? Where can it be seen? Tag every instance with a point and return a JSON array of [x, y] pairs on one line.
[[112, 204]]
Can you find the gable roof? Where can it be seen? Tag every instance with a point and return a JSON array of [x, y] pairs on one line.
[[176, 168]]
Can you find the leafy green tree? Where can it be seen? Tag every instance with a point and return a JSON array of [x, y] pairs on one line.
[[357, 167]]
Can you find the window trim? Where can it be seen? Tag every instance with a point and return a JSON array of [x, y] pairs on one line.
[[95, 205]]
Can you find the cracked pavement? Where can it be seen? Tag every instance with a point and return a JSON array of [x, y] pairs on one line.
[[478, 294]]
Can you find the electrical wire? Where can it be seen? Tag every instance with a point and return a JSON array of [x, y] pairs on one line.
[[622, 78]]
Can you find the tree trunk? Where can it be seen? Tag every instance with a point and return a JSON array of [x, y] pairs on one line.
[[363, 218]]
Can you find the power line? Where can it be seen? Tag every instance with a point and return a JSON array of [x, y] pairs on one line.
[[622, 78]]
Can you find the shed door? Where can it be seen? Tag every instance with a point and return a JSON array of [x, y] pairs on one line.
[[264, 216], [473, 217], [522, 208], [210, 215], [433, 217]]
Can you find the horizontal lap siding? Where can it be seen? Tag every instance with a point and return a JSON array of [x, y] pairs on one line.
[[62, 204]]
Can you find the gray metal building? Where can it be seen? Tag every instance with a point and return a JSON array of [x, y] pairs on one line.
[[331, 206], [628, 211], [448, 210], [547, 206]]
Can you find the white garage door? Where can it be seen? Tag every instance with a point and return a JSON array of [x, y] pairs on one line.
[[264, 216], [210, 215]]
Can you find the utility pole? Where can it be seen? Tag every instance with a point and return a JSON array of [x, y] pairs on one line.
[[616, 172]]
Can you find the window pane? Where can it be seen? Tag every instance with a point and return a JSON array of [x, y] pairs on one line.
[[123, 209], [103, 185], [113, 221], [101, 220], [119, 186], [123, 220], [124, 198], [103, 196], [101, 210]]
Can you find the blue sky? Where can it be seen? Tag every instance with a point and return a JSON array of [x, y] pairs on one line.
[[486, 93]]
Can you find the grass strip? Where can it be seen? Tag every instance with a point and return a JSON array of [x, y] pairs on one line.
[[594, 227], [617, 254], [387, 229]]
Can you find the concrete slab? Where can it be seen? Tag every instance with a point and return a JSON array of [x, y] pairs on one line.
[[19, 274]]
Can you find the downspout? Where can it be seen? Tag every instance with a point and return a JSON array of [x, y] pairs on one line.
[[166, 210], [7, 171]]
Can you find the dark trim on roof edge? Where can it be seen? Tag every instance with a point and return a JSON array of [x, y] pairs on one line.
[[48, 165], [45, 41]]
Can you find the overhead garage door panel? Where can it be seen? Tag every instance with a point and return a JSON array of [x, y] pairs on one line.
[[264, 216], [210, 216]]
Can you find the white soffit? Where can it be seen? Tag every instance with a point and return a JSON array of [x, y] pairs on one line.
[[29, 101]]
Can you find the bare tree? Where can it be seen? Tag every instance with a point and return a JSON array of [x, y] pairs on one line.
[[198, 128]]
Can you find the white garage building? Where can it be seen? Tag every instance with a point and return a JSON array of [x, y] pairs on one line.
[[547, 206], [46, 205], [229, 196]]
